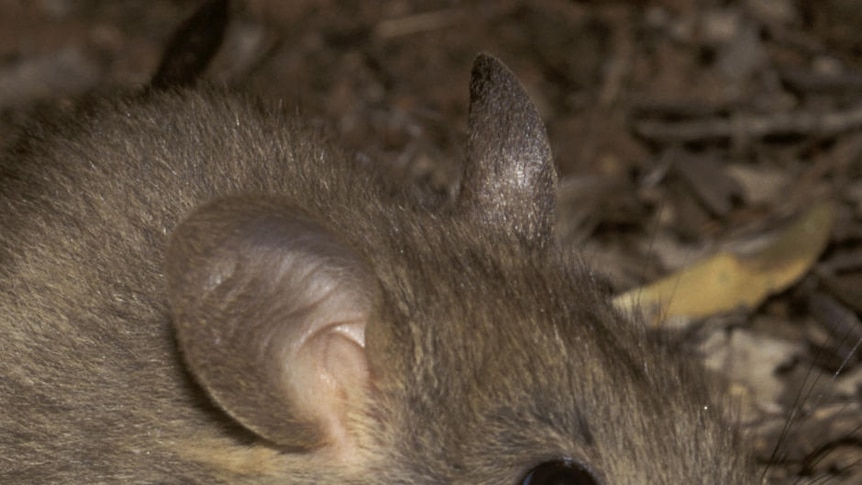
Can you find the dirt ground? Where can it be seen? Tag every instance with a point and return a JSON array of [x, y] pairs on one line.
[[683, 129]]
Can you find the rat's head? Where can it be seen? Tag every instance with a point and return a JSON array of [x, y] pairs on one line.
[[456, 346]]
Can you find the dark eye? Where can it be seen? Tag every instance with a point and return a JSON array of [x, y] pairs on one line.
[[559, 472]]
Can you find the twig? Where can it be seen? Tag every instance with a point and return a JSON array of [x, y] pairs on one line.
[[422, 22], [742, 126]]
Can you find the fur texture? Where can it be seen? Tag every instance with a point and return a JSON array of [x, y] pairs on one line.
[[485, 349]]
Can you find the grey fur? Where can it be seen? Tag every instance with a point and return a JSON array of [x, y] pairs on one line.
[[489, 349]]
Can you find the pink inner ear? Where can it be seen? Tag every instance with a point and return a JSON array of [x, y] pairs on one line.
[[270, 310], [329, 379]]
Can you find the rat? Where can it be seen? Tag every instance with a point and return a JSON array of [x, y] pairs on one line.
[[197, 287]]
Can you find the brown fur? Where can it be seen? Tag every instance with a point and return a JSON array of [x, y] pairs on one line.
[[487, 349]]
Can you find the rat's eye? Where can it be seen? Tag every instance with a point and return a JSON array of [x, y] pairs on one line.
[[559, 472]]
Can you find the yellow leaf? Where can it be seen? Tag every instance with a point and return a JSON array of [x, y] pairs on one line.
[[740, 278]]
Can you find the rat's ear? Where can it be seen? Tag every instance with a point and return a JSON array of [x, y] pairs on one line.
[[510, 179], [270, 310], [192, 47]]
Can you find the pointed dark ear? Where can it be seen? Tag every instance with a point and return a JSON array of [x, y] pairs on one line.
[[270, 310], [509, 179], [192, 47]]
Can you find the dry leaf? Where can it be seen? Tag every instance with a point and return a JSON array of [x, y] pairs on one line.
[[734, 279]]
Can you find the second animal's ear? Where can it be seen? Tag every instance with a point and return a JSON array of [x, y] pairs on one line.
[[270, 310], [193, 46], [509, 181]]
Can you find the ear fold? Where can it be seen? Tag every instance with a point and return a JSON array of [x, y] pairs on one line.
[[270, 312], [509, 179]]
